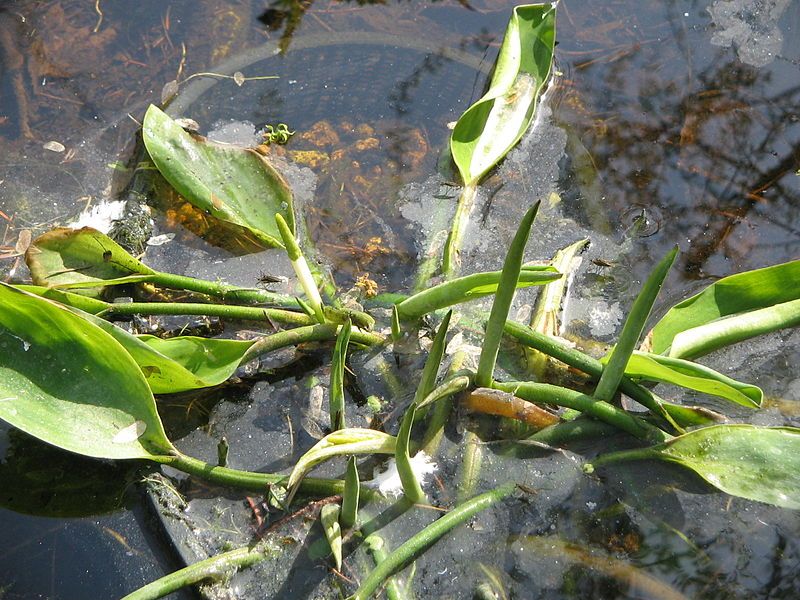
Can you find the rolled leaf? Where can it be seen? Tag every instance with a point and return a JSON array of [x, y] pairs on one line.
[[632, 329], [654, 367], [235, 185], [329, 518], [758, 463], [503, 298], [740, 293], [411, 486], [70, 384], [337, 377], [544, 317], [427, 381], [350, 496], [494, 124]]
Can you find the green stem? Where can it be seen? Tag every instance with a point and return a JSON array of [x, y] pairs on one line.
[[375, 545], [622, 456], [224, 311], [405, 553], [249, 480], [222, 290], [543, 393], [571, 431], [452, 247], [303, 335], [593, 367], [216, 567]]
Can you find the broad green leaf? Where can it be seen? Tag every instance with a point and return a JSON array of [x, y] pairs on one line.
[[736, 328], [693, 376], [758, 463], [469, 287], [336, 401], [235, 185], [207, 361], [338, 443], [502, 300], [329, 518], [69, 383], [494, 124], [86, 258], [614, 369], [740, 293], [82, 258], [85, 303], [181, 363]]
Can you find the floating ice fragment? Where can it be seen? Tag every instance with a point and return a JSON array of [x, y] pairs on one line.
[[388, 483]]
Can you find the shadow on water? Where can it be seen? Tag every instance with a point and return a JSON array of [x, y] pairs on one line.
[[667, 122]]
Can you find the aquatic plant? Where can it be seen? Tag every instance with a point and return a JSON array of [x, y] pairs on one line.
[[78, 382]]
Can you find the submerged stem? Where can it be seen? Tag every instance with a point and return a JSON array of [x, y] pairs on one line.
[[216, 567], [303, 335], [452, 247], [405, 553]]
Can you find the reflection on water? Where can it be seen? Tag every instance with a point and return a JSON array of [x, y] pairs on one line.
[[667, 123]]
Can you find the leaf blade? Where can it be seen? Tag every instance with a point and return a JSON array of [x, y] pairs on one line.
[[70, 384], [236, 185]]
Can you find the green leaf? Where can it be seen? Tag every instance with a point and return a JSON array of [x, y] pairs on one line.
[[731, 330], [181, 363], [82, 258], [204, 362], [411, 487], [87, 258], [544, 317], [632, 329], [431, 370], [740, 293], [350, 496], [329, 518], [758, 463], [235, 185], [469, 287], [693, 376], [494, 124], [336, 402], [69, 383], [503, 298], [338, 443], [85, 303]]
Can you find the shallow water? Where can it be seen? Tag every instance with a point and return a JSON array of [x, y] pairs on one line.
[[683, 113]]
